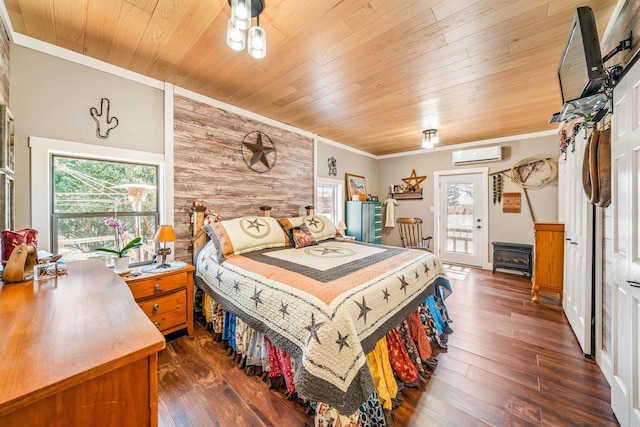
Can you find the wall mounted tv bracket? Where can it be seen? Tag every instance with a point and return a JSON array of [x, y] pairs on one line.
[[615, 72], [600, 103]]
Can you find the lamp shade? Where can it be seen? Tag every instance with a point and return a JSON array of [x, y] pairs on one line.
[[165, 234]]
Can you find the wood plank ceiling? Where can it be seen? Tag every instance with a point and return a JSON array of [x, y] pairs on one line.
[[371, 74]]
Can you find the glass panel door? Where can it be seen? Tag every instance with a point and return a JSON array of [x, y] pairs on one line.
[[461, 219]]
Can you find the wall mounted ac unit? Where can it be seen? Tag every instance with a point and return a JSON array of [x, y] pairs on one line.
[[477, 155]]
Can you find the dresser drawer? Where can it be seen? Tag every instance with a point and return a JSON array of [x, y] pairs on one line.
[[165, 303], [157, 285]]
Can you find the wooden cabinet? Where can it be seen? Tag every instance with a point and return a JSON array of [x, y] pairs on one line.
[[77, 351], [166, 298], [364, 221], [548, 261]]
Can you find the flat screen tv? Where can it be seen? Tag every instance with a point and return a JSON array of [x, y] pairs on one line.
[[581, 72]]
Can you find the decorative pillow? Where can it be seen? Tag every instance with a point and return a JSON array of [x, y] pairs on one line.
[[287, 225], [246, 234], [319, 225], [302, 237]]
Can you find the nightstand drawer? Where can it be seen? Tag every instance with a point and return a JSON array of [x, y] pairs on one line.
[[157, 285], [164, 304], [169, 319]]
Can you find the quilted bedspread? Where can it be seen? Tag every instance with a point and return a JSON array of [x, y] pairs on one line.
[[326, 305]]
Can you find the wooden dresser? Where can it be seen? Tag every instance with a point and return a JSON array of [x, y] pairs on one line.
[[166, 297], [548, 261], [76, 350]]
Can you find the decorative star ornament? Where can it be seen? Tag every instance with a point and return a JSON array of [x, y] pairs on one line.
[[414, 178], [260, 155]]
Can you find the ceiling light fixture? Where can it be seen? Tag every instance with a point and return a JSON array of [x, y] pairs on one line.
[[430, 138], [241, 13]]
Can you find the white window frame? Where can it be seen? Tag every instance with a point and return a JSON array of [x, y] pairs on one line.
[[42, 152], [339, 201]]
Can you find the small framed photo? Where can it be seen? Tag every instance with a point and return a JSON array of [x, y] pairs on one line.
[[373, 198], [356, 189], [7, 141]]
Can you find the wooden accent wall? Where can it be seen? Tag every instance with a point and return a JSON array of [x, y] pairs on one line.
[[4, 65], [209, 167]]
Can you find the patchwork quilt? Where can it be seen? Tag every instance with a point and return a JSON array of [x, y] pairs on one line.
[[326, 305]]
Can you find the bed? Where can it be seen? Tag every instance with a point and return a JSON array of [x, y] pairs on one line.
[[326, 302]]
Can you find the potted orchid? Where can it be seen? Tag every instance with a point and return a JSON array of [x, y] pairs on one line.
[[121, 249]]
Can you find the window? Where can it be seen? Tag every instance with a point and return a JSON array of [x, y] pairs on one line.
[[76, 186], [330, 199], [86, 192]]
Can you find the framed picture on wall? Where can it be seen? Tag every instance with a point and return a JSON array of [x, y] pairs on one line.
[[7, 141], [356, 189]]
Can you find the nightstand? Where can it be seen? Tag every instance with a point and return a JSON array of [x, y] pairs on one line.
[[166, 297]]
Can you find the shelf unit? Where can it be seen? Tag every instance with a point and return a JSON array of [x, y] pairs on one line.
[[408, 195]]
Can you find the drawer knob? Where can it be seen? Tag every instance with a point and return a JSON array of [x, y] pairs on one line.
[[157, 324], [157, 287], [155, 307]]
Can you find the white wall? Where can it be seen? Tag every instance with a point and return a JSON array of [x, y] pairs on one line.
[[51, 98]]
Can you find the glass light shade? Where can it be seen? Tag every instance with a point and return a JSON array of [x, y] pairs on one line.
[[241, 13], [235, 36], [430, 138], [257, 42], [427, 143], [165, 234]]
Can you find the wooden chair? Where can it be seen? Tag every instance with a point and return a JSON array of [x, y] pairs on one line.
[[411, 234]]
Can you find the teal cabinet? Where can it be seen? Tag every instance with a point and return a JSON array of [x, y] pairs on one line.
[[364, 221]]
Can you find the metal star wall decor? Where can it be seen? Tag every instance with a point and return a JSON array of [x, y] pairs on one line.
[[258, 151]]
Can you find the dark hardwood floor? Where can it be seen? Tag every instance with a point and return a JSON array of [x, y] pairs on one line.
[[510, 362]]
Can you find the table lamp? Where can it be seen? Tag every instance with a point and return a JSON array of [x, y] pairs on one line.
[[164, 234], [342, 227]]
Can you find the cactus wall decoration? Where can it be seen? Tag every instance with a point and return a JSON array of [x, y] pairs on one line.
[[104, 123]]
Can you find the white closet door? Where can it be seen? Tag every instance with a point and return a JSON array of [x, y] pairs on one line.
[[621, 177], [633, 276], [578, 248]]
